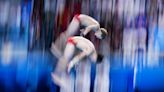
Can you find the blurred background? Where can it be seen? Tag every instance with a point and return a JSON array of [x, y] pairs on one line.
[[133, 50]]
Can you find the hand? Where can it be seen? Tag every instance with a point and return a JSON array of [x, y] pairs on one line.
[[82, 30], [69, 67], [81, 34]]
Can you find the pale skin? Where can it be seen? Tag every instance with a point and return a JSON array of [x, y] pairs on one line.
[[65, 63], [90, 25], [86, 47]]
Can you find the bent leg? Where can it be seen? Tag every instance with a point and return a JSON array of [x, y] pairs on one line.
[[75, 60], [62, 64], [73, 27]]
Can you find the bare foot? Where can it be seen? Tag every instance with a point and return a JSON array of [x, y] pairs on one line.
[[58, 80]]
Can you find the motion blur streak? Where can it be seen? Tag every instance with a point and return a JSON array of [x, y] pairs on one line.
[[133, 51]]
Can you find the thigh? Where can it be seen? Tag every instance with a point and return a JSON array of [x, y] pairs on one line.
[[69, 51], [73, 27]]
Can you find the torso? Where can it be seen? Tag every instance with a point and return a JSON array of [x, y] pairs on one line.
[[86, 21]]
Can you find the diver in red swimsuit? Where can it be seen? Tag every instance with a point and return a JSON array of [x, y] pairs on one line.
[[68, 60], [80, 21]]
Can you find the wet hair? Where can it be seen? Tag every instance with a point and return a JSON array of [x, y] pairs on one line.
[[104, 33], [99, 58]]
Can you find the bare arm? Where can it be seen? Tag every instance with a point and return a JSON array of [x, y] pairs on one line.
[[89, 28]]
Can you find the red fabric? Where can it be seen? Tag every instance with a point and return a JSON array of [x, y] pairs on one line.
[[77, 17], [70, 40]]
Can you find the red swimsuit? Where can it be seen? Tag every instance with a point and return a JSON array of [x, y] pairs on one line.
[[70, 40], [77, 17]]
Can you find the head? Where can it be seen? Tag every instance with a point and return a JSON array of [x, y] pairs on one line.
[[99, 58], [101, 34]]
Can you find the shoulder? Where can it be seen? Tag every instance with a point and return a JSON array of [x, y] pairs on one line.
[[84, 16]]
